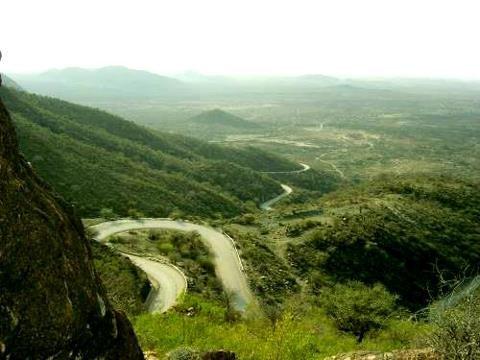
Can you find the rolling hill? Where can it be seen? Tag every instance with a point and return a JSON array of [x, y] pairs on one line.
[[217, 118], [100, 161]]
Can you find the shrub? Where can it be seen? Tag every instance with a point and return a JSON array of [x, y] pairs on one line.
[[207, 264], [357, 308], [247, 219], [166, 248], [456, 333], [154, 234], [107, 214], [299, 228], [117, 240], [135, 214]]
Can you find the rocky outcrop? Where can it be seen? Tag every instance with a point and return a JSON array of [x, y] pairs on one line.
[[52, 304]]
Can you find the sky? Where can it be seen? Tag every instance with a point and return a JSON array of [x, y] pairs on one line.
[[354, 38]]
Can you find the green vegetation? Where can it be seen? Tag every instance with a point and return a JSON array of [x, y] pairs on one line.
[[318, 182], [348, 250], [99, 161], [298, 228], [271, 278], [184, 353], [376, 232], [357, 308], [456, 330], [389, 210], [126, 285], [183, 249], [217, 121], [302, 331]]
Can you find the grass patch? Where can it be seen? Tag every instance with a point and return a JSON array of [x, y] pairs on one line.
[[301, 332]]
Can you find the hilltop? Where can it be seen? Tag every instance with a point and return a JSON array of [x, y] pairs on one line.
[[100, 161], [218, 118]]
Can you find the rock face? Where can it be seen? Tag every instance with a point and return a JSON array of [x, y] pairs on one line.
[[52, 304]]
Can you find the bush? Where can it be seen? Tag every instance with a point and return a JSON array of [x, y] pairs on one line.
[[166, 248], [108, 214], [117, 240], [247, 219], [357, 308], [135, 214], [154, 235], [207, 264], [299, 228], [456, 334]]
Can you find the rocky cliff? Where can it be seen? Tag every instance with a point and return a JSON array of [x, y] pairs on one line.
[[52, 304]]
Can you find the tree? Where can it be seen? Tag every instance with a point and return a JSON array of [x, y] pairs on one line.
[[358, 308], [107, 214], [135, 214]]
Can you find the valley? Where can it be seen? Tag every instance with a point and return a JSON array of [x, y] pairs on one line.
[[239, 180], [254, 209]]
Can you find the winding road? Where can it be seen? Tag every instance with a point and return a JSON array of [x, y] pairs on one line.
[[267, 205], [168, 281], [287, 190], [304, 166], [228, 265]]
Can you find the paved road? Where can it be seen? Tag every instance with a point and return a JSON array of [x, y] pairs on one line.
[[168, 283], [228, 265], [267, 205], [305, 168]]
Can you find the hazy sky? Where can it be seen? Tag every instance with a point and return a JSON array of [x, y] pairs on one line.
[[334, 37]]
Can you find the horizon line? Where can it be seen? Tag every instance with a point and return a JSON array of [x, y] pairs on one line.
[[184, 72]]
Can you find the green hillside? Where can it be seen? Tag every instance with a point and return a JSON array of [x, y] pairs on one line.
[[408, 233], [97, 160]]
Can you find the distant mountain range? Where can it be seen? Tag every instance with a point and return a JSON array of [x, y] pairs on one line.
[[82, 85], [71, 83], [93, 86]]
